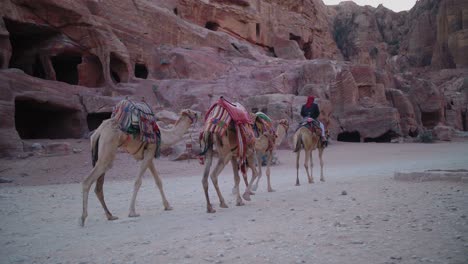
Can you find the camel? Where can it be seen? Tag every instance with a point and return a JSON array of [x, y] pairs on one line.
[[104, 144], [262, 147], [308, 140], [228, 128], [226, 146]]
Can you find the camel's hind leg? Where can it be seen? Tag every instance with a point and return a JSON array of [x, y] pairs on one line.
[[311, 179], [306, 165], [298, 155], [321, 164], [107, 146], [100, 195], [214, 178], [235, 169], [158, 181], [206, 173], [148, 155], [252, 166]]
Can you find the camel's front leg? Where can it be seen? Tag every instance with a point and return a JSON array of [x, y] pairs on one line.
[[259, 164], [147, 158], [158, 181], [99, 190], [235, 169], [321, 164], [208, 161], [298, 155], [270, 157]]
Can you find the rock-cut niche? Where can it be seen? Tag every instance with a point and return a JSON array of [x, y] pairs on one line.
[[39, 120], [25, 39]]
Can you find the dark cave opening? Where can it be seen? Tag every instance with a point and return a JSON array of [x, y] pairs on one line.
[[94, 120], [65, 66], [384, 138], [43, 120], [212, 25], [141, 71], [430, 119], [25, 38], [353, 136], [118, 69]]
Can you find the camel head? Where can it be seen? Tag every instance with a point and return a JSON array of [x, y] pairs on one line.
[[284, 123], [192, 115]]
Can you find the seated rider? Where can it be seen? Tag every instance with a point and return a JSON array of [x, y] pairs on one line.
[[311, 109]]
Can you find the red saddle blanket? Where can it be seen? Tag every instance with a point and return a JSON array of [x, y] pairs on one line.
[[236, 111]]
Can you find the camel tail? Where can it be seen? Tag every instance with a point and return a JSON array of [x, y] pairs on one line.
[[95, 146], [206, 140], [298, 143]]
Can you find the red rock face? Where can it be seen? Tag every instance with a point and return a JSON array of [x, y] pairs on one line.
[[377, 74]]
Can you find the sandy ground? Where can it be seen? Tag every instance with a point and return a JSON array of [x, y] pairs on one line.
[[380, 220]]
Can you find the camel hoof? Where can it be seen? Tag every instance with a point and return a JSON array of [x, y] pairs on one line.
[[223, 205], [251, 193], [322, 180], [297, 184], [133, 215], [271, 190], [81, 221], [246, 196], [240, 203], [210, 210], [112, 217], [168, 208], [311, 182]]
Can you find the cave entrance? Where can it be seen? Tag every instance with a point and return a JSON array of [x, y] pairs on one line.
[[118, 69], [385, 138], [141, 71], [212, 25], [430, 119], [94, 120], [43, 120], [65, 66], [346, 136], [25, 38]]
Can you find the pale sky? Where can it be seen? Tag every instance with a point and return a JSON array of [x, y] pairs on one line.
[[395, 5]]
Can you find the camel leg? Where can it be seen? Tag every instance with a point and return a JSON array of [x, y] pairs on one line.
[[147, 158], [108, 144], [306, 166], [321, 164], [270, 157], [235, 169], [100, 195], [252, 166], [96, 172], [244, 176], [298, 155], [259, 163], [208, 161], [158, 181], [311, 168], [214, 178]]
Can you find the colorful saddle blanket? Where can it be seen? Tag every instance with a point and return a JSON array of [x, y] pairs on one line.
[[312, 124], [264, 125], [223, 115], [137, 119]]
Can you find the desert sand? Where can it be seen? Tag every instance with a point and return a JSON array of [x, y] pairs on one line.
[[379, 220]]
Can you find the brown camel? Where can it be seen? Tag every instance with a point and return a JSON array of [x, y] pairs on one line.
[[226, 147], [104, 144], [263, 147], [309, 140]]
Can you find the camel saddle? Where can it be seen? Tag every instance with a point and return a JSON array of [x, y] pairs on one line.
[[237, 111]]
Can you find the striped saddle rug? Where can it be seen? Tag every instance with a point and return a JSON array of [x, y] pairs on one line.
[[138, 120], [224, 115]]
